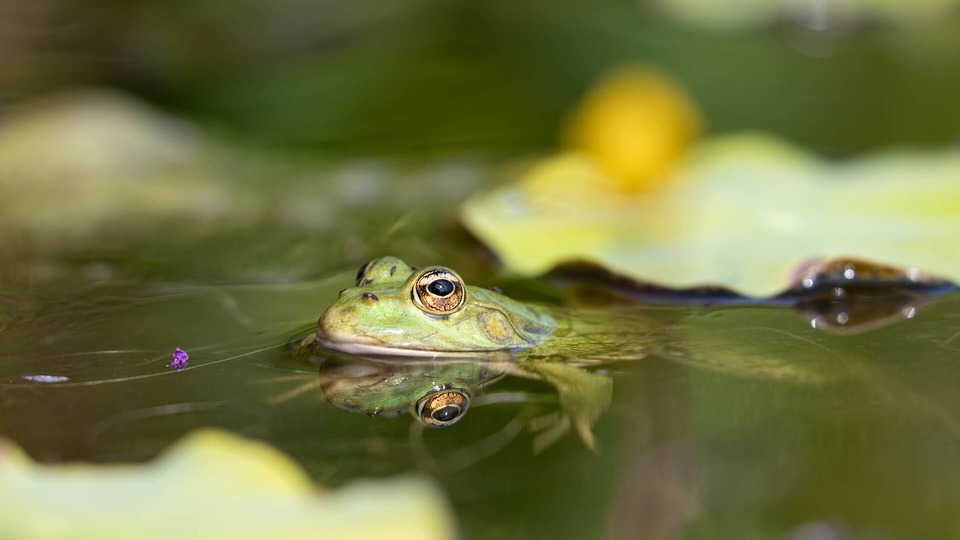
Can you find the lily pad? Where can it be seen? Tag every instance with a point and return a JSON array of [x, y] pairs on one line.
[[636, 193], [745, 213], [211, 485]]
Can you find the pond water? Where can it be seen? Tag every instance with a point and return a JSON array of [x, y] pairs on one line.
[[731, 422], [329, 135]]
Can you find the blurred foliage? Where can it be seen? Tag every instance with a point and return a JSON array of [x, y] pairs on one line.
[[211, 485], [497, 76], [835, 16], [95, 185], [744, 212]]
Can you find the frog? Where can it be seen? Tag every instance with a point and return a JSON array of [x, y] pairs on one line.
[[422, 341], [443, 339], [398, 310], [401, 310]]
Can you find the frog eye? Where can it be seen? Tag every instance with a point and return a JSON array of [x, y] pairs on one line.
[[442, 408], [361, 272], [438, 291]]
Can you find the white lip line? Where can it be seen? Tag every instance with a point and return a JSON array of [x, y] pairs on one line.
[[363, 348]]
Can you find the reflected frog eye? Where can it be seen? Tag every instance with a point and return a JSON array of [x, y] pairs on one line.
[[442, 408], [438, 291]]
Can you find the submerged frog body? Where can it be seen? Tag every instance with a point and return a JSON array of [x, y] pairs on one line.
[[397, 309]]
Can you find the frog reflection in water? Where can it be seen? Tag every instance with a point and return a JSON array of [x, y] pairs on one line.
[[398, 310], [437, 393]]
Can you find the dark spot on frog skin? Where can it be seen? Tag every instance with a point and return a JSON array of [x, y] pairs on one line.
[[367, 281], [393, 270], [347, 313], [370, 297], [496, 289]]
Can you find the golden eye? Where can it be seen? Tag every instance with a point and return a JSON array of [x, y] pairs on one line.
[[442, 408], [438, 291]]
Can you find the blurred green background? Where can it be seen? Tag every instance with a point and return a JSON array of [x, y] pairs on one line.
[[432, 76]]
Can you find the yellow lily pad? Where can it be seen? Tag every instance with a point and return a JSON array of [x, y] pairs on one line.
[[744, 212], [210, 485]]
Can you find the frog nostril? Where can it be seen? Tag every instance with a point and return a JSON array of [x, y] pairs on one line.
[[370, 297], [341, 292]]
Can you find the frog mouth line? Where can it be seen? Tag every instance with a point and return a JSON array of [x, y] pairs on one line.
[[370, 348]]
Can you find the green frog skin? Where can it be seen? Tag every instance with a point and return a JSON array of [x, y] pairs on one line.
[[396, 309]]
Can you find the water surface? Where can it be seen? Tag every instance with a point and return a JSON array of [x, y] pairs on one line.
[[745, 422]]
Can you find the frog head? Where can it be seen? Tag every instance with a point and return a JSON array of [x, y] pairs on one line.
[[396, 309]]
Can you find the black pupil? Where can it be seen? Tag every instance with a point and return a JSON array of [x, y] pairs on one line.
[[446, 414], [440, 287]]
